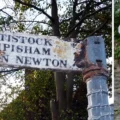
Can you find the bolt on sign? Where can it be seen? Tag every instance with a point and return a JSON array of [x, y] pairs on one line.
[[43, 52]]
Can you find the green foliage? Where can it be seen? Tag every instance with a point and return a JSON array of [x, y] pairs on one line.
[[40, 89], [117, 113], [14, 111], [34, 100], [71, 115], [78, 111], [117, 35]]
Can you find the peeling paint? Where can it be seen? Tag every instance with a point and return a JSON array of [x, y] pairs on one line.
[[94, 71], [79, 55], [47, 52], [60, 49], [40, 52], [2, 53]]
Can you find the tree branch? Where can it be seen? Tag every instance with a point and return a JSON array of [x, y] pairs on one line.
[[74, 6], [12, 70], [65, 20], [86, 16], [99, 28], [32, 6], [55, 23], [7, 21], [43, 22], [82, 13], [5, 13], [76, 16], [72, 22], [82, 2]]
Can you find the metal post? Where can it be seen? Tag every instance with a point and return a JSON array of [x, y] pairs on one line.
[[98, 106], [95, 75]]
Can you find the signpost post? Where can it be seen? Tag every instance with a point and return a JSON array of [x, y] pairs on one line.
[[49, 52], [95, 75]]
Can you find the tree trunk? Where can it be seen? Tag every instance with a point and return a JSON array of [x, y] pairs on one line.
[[29, 115], [60, 90], [54, 110], [69, 88]]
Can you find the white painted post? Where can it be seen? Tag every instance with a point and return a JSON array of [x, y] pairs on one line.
[[95, 76]]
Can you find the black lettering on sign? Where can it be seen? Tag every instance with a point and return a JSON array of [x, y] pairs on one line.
[[7, 37], [22, 39], [47, 60], [6, 46], [4, 58], [39, 41], [19, 49], [13, 48], [15, 39], [31, 40], [27, 61], [55, 63], [46, 51], [28, 49], [1, 37], [36, 61], [47, 42], [63, 63], [19, 59], [36, 51]]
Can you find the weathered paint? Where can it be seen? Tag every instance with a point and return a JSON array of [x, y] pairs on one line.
[[93, 71], [42, 52], [95, 75], [24, 50], [2, 53], [95, 50], [98, 106]]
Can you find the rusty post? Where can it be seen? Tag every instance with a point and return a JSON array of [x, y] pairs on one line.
[[95, 74]]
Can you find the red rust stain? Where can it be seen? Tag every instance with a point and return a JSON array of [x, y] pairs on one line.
[[2, 52], [79, 55], [94, 70]]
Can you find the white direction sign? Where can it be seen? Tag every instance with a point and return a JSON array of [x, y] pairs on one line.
[[43, 52]]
